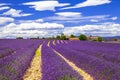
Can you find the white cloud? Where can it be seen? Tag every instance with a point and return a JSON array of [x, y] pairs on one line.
[[94, 20], [33, 29], [114, 18], [39, 25], [4, 20], [3, 8], [39, 20], [89, 3], [45, 5], [111, 29], [15, 13], [69, 14], [76, 17], [31, 21], [2, 4]]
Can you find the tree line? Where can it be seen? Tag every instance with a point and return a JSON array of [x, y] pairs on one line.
[[82, 37]]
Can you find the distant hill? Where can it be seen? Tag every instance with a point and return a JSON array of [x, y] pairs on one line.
[[111, 38]]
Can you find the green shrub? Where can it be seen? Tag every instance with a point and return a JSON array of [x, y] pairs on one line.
[[115, 39], [82, 37], [94, 40], [19, 37], [63, 37], [58, 37], [72, 36], [100, 39]]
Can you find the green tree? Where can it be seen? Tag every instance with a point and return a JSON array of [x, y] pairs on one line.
[[100, 39], [19, 38], [72, 36], [63, 37], [57, 37], [115, 39], [82, 37]]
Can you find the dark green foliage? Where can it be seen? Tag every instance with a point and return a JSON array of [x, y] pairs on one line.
[[72, 36], [94, 40], [62, 37], [82, 37], [100, 39], [43, 38], [19, 38], [35, 38], [115, 39], [58, 37]]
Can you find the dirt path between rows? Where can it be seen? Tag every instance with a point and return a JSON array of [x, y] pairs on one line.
[[34, 71]]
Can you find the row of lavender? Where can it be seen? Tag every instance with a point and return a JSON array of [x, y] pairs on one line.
[[14, 65], [101, 60], [104, 51], [55, 68], [9, 46]]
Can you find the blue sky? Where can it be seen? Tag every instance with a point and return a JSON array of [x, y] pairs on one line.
[[33, 18]]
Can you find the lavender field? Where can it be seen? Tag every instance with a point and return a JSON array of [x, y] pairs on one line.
[[25, 59]]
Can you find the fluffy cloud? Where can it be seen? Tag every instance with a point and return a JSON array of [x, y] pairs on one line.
[[45, 5], [15, 13], [105, 29], [4, 20], [33, 29], [94, 20], [114, 18], [45, 29], [3, 4], [89, 3], [69, 14], [31, 21], [77, 17], [3, 8]]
